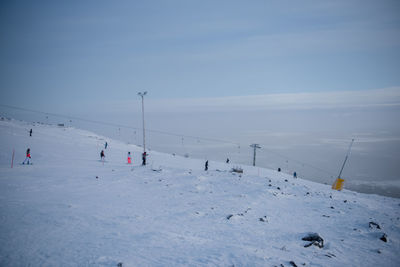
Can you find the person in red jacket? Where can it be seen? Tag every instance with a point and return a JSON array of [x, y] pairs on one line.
[[129, 158], [28, 156]]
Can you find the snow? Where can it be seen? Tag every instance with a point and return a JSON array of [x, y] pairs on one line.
[[172, 212]]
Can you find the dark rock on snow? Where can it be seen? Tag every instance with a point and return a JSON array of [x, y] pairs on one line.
[[314, 239], [384, 238], [373, 225]]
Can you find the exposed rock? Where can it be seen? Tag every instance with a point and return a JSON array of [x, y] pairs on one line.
[[384, 237], [373, 225], [314, 239]]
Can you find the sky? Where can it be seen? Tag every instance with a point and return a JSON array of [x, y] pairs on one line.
[[300, 77], [57, 52]]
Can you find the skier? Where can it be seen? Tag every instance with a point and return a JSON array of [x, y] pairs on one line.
[[30, 132], [102, 156], [144, 155], [294, 175], [105, 145], [28, 156], [227, 160], [206, 166], [279, 169], [129, 158]]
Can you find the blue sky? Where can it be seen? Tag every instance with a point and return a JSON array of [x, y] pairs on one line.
[[62, 54]]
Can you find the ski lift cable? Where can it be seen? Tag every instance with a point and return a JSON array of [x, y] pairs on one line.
[[298, 161], [121, 125]]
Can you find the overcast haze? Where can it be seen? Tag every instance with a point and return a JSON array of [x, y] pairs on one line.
[[302, 78]]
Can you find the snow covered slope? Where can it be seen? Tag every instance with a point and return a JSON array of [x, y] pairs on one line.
[[172, 212]]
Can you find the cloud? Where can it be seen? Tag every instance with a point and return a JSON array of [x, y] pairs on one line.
[[386, 97]]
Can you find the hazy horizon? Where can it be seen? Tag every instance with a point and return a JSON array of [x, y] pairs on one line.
[[310, 140]]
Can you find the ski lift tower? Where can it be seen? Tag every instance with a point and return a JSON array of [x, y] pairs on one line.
[[255, 146]]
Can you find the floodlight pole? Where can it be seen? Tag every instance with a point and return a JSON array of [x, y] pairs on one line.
[[255, 146], [144, 142]]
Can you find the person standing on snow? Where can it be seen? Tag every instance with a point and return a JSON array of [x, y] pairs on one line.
[[129, 158], [30, 132], [206, 166], [102, 156], [294, 175], [144, 155], [105, 145], [28, 156]]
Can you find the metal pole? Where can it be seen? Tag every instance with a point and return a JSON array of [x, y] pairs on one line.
[[255, 146], [144, 138], [254, 157], [144, 133], [12, 159], [347, 155]]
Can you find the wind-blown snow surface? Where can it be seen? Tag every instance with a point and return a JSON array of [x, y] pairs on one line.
[[172, 212]]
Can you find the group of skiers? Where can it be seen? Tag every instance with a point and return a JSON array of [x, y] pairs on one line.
[[28, 152], [129, 157]]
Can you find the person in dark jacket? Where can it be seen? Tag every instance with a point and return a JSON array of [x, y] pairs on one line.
[[206, 166], [102, 156], [144, 155], [30, 132]]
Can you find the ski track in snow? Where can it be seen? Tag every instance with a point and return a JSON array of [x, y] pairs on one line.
[[171, 212]]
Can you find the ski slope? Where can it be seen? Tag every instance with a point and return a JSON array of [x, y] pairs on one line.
[[70, 209]]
